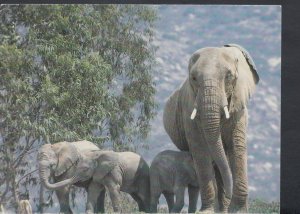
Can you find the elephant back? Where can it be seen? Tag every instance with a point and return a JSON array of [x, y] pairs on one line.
[[85, 145], [173, 122]]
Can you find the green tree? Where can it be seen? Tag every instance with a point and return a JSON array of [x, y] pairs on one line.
[[71, 72]]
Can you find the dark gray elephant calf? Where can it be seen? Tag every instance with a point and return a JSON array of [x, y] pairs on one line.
[[171, 172]]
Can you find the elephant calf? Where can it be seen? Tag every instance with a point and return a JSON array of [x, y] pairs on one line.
[[170, 173], [116, 171]]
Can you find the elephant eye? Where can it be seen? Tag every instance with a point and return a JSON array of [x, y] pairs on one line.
[[194, 78]]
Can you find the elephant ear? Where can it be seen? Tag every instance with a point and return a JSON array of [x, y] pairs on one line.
[[248, 59], [67, 155], [246, 80], [195, 56], [107, 161], [104, 168]]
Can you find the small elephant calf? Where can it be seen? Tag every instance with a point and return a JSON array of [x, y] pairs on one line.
[[170, 173]]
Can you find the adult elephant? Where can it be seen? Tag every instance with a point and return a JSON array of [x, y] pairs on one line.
[[58, 161], [208, 116]]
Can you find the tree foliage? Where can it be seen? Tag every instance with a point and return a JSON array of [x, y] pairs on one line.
[[71, 72]]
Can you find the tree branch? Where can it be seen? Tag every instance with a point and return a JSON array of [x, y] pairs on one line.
[[5, 192], [29, 173], [28, 146]]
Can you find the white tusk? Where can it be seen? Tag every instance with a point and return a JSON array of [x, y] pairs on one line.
[[226, 112], [193, 115]]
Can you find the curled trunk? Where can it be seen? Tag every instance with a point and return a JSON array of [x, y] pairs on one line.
[[44, 172]]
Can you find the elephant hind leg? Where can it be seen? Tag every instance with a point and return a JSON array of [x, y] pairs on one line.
[[142, 194], [170, 200], [139, 201], [237, 153], [155, 194]]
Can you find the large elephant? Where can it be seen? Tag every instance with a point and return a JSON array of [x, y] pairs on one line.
[[59, 161], [115, 171], [208, 116]]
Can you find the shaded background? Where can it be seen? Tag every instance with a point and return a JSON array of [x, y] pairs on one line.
[[182, 30]]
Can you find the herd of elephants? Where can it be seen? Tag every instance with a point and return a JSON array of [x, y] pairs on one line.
[[206, 118]]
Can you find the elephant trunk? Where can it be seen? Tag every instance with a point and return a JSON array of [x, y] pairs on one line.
[[44, 172], [212, 105]]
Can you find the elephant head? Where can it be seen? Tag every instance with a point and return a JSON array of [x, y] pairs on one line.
[[55, 160], [58, 158], [222, 80]]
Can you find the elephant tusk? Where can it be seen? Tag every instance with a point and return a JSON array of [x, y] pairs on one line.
[[226, 112], [193, 115]]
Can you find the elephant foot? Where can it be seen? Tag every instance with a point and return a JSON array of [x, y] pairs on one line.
[[238, 210], [89, 212], [224, 205], [206, 211], [68, 211], [238, 205]]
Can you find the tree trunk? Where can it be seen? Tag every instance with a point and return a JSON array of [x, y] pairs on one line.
[[41, 200]]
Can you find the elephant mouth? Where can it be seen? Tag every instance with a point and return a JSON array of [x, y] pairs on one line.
[[225, 105]]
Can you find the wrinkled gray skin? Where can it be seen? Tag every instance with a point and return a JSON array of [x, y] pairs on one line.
[[58, 162], [171, 172], [115, 171], [218, 77]]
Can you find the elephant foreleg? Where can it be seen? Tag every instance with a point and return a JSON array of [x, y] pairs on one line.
[[238, 162], [179, 202], [179, 199], [100, 202], [207, 190], [222, 201], [115, 194], [193, 198], [94, 190], [205, 175], [63, 199]]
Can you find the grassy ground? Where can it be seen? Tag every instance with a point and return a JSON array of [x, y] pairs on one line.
[[259, 206], [130, 206]]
